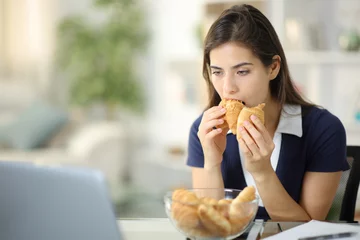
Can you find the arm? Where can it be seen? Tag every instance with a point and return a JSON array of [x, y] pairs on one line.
[[257, 147], [319, 189], [318, 192], [207, 178], [320, 182], [326, 161], [277, 201], [205, 150]]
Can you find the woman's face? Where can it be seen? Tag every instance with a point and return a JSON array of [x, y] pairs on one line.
[[237, 73]]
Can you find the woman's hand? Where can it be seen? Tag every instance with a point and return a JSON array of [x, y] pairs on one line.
[[213, 140], [257, 147]]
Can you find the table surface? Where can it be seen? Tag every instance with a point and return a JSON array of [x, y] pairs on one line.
[[161, 229]]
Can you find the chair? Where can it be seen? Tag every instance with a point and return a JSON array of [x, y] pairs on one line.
[[343, 207]]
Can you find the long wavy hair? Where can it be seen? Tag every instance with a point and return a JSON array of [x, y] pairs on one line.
[[247, 25]]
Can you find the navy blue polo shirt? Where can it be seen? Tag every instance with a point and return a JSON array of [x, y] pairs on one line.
[[321, 148]]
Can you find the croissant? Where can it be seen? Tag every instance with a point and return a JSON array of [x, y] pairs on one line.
[[208, 217], [237, 207], [246, 195], [223, 206], [238, 224], [212, 220], [185, 215], [184, 208], [185, 196], [208, 201], [225, 124], [233, 109], [247, 112]]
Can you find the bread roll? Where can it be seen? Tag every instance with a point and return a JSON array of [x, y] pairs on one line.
[[208, 217], [236, 207], [184, 208], [214, 221], [233, 108], [246, 113]]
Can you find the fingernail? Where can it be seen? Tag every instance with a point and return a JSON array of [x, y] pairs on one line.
[[241, 128], [246, 123], [221, 120], [253, 117], [223, 110]]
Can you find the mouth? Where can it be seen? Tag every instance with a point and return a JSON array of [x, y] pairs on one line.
[[234, 99]]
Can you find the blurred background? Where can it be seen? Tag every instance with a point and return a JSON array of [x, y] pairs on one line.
[[115, 84]]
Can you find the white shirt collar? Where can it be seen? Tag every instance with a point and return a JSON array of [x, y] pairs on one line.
[[290, 120]]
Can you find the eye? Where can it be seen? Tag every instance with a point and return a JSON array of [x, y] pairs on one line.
[[242, 72], [216, 73]]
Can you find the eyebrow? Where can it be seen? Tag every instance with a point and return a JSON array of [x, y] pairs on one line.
[[233, 67]]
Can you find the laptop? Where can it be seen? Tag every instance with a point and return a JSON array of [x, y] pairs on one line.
[[54, 203]]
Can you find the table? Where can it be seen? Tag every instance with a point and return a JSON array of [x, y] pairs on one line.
[[162, 229]]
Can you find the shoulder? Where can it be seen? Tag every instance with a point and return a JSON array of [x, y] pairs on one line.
[[318, 120], [325, 139], [195, 156]]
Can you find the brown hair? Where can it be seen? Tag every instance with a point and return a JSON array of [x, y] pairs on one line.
[[247, 25]]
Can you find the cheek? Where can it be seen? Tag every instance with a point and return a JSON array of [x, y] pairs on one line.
[[218, 85], [260, 82], [257, 88]]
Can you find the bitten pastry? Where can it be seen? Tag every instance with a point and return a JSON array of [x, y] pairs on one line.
[[246, 113], [233, 109], [225, 124]]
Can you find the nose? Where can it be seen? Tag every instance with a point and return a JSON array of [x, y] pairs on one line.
[[230, 87]]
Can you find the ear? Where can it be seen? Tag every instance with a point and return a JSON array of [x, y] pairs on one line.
[[274, 67]]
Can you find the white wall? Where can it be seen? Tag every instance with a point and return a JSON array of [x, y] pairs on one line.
[[173, 28], [1, 36]]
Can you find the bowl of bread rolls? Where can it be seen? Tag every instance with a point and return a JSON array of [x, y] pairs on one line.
[[211, 213]]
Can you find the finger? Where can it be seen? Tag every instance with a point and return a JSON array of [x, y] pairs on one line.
[[209, 126], [244, 149], [261, 128], [213, 133], [225, 131], [249, 142], [256, 136], [212, 109], [214, 113]]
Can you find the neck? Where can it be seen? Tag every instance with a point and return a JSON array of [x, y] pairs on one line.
[[272, 112]]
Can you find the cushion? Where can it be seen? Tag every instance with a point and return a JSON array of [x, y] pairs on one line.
[[33, 127]]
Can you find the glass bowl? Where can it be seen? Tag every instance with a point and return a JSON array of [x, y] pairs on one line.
[[211, 213]]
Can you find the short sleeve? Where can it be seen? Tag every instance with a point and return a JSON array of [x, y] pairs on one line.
[[327, 144], [195, 156]]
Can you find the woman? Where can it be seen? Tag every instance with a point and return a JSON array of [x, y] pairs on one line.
[[295, 160]]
